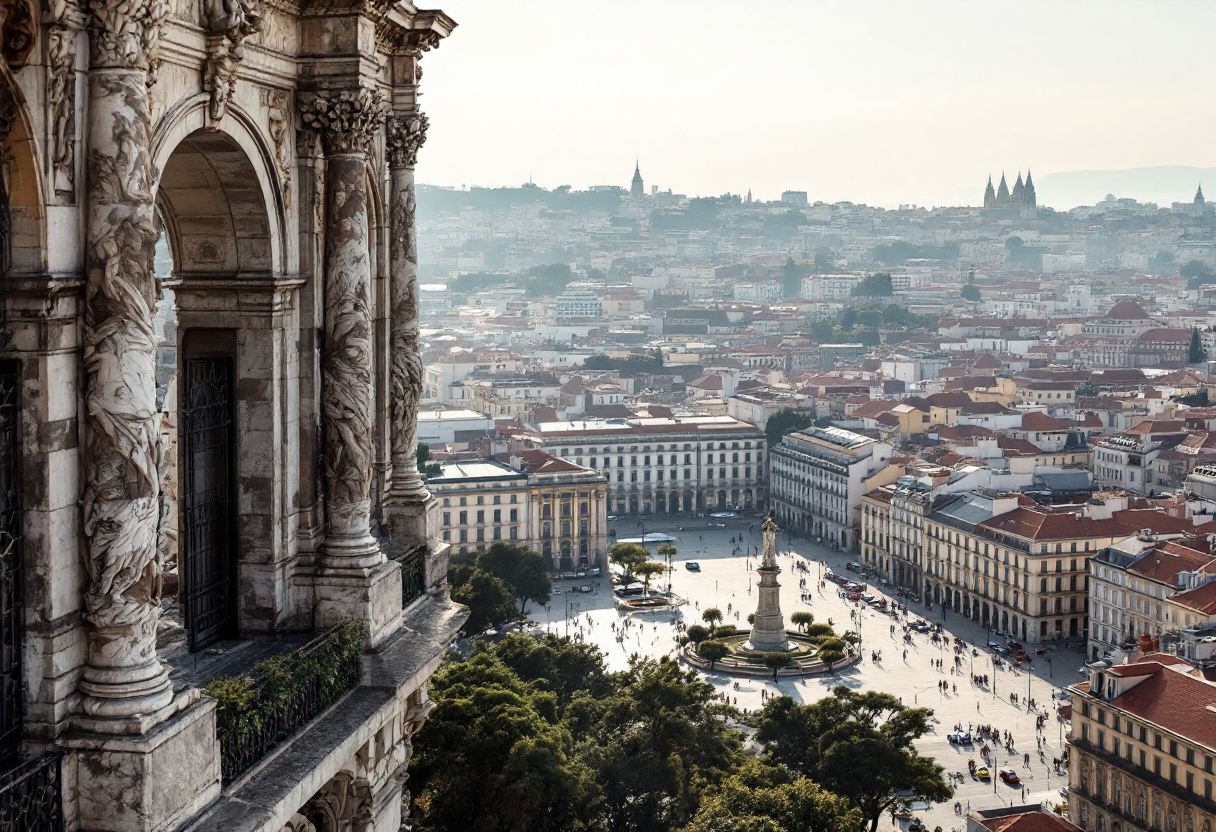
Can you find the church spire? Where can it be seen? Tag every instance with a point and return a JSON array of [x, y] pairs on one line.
[[636, 188], [1002, 192], [989, 194], [1032, 199], [1199, 200]]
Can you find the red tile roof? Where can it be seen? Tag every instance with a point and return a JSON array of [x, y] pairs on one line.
[[1041, 525], [1037, 421], [1031, 822], [1175, 701], [1201, 599]]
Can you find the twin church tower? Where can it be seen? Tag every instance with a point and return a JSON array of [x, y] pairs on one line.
[[1002, 197]]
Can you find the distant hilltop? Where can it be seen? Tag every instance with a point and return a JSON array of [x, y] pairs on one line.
[[1163, 185]]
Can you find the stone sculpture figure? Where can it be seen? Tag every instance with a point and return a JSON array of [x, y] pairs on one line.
[[768, 631], [228, 23]]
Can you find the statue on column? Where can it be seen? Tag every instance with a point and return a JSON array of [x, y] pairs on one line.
[[768, 631]]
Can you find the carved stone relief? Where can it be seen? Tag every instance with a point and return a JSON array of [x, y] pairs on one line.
[[228, 23], [405, 136], [18, 32], [126, 35], [343, 803], [61, 94], [122, 424], [278, 122], [346, 123]]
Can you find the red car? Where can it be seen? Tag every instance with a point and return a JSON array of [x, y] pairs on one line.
[[1009, 777]]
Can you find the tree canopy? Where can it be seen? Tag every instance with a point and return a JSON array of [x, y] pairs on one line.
[[628, 556], [524, 573], [786, 421], [874, 286], [536, 734], [857, 745]]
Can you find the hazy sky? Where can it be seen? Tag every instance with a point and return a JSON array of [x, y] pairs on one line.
[[877, 101]]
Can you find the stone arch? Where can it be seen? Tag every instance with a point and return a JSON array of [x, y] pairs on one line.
[[242, 165], [216, 216], [25, 247]]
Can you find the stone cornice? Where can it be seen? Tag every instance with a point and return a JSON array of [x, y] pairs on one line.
[[401, 33], [347, 120]]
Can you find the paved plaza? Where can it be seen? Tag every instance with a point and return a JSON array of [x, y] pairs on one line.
[[728, 581]]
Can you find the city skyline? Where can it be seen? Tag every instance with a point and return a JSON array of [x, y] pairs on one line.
[[935, 104]]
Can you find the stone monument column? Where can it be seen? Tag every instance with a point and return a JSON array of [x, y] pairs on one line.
[[122, 446], [407, 495], [347, 121], [354, 580], [768, 631]]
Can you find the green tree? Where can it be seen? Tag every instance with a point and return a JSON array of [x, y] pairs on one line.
[[971, 292], [777, 662], [655, 745], [791, 279], [858, 745], [713, 652], [783, 422], [802, 619], [713, 617], [1194, 268], [489, 601], [648, 571], [495, 756], [819, 630], [697, 633], [628, 556], [874, 286], [425, 467], [524, 572], [1195, 353], [564, 667], [760, 797]]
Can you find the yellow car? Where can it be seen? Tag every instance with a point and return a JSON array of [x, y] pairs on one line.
[[982, 773]]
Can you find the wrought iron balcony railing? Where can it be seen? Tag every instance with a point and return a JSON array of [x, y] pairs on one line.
[[260, 711], [31, 799]]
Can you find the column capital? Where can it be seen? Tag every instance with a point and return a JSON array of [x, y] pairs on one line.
[[406, 135], [125, 34], [346, 120]]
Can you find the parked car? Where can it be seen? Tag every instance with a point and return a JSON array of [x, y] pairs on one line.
[[982, 773], [692, 566], [1009, 777], [853, 566]]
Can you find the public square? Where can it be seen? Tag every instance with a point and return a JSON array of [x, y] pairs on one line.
[[727, 581]]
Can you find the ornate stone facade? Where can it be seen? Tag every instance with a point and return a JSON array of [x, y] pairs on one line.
[[213, 402]]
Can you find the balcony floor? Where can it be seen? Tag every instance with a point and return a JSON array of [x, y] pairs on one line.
[[230, 657]]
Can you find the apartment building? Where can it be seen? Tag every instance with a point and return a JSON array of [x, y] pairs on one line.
[[1126, 461], [544, 503], [1143, 748], [1132, 582], [1023, 568], [665, 465], [819, 476]]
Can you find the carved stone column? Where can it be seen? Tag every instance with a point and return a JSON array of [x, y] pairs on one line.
[[407, 495], [347, 122], [122, 447], [354, 581]]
